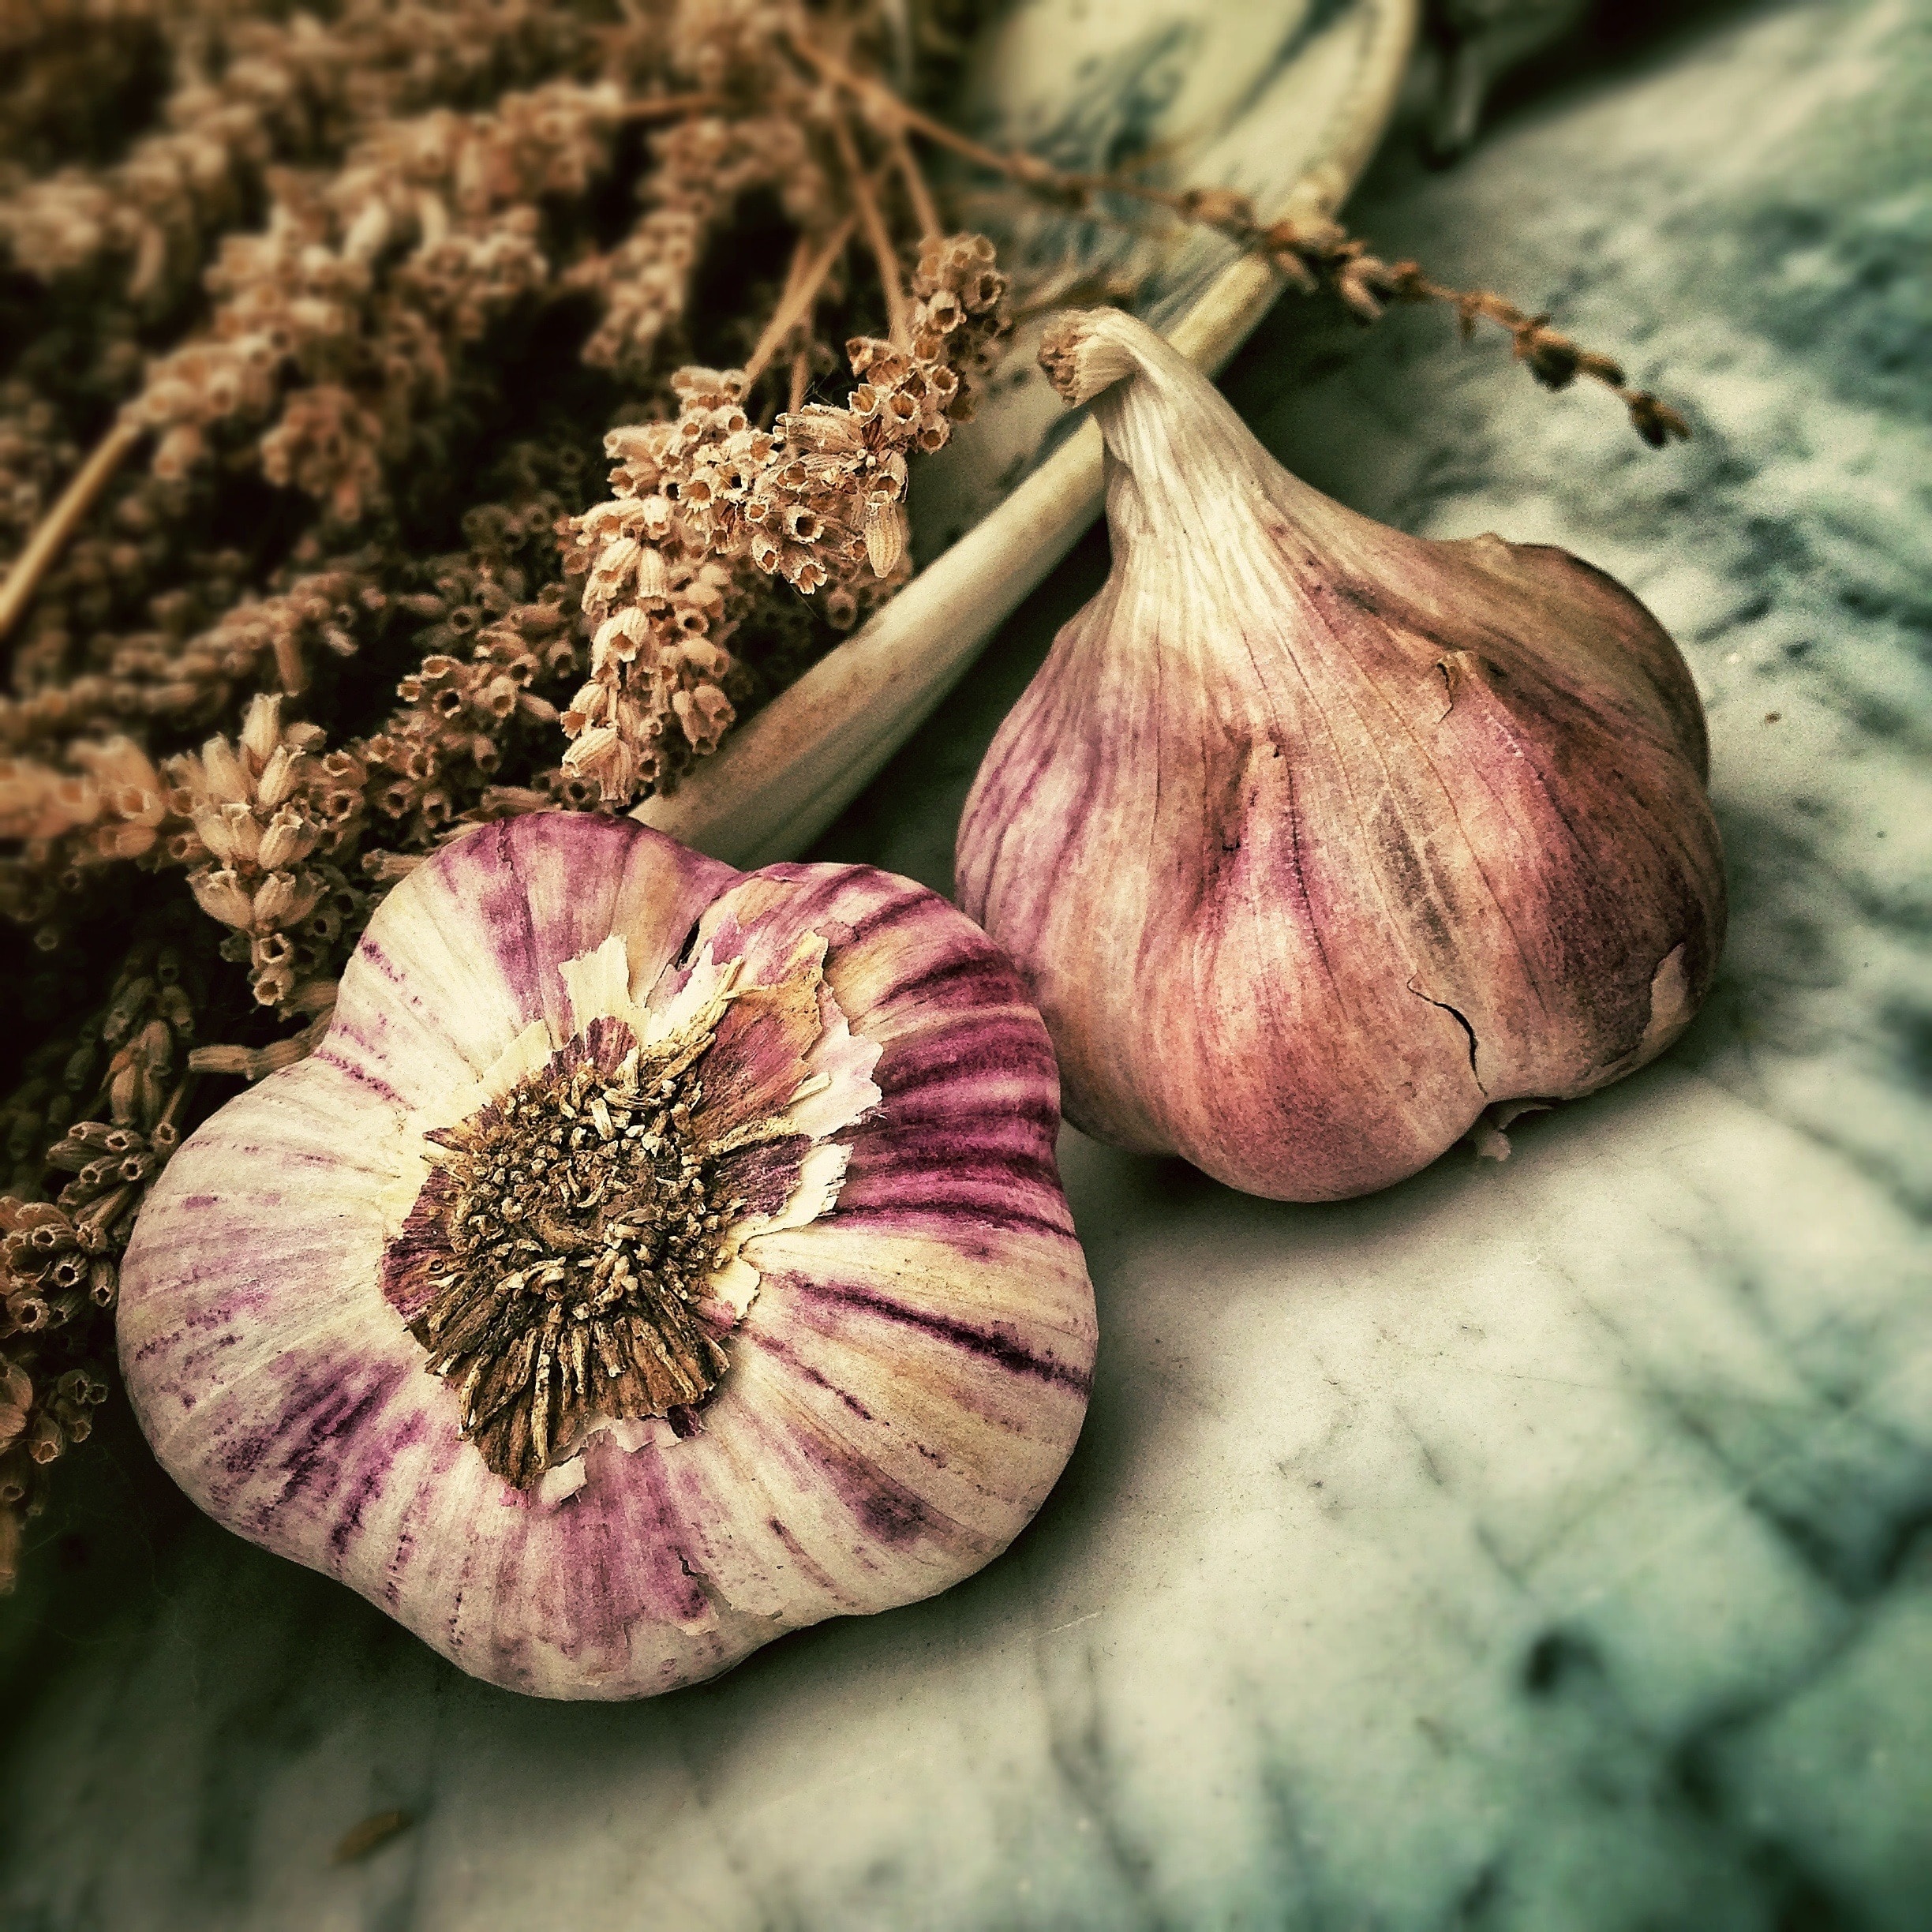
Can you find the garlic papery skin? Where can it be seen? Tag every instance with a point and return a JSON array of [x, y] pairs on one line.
[[1312, 840], [651, 1258]]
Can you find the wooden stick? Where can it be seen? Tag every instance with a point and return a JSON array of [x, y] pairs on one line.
[[797, 303], [801, 379], [61, 522]]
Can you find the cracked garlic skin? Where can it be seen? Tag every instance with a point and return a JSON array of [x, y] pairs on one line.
[[1311, 839], [653, 1258]]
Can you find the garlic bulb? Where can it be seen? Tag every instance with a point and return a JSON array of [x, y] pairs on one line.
[[652, 1258], [1311, 839]]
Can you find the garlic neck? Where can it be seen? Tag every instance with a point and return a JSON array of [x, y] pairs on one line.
[[1181, 462]]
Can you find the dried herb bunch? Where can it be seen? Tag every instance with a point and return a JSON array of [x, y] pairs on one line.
[[303, 617], [312, 327]]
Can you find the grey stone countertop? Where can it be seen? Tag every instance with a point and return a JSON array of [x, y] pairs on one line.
[[1546, 1545]]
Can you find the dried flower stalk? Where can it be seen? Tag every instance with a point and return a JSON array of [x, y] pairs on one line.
[[707, 502], [1312, 254]]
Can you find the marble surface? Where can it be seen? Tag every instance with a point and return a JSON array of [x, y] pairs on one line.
[[1546, 1545]]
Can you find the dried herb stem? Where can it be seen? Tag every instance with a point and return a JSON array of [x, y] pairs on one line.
[[1312, 254], [919, 191], [802, 288], [671, 107], [797, 270], [878, 237], [50, 538]]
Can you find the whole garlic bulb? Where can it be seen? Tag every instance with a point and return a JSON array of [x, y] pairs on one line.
[[1311, 839], [652, 1258]]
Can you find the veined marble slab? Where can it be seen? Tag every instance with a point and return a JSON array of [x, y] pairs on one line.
[[1545, 1546]]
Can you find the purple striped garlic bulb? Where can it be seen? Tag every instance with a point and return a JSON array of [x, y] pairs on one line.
[[1314, 839], [653, 1258]]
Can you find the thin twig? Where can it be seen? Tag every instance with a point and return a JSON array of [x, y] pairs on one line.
[[794, 306], [797, 270], [1313, 255], [663, 106], [898, 312], [903, 114], [925, 210], [61, 522], [1553, 359], [801, 379]]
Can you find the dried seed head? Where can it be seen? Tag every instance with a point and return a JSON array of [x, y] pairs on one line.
[[567, 1234]]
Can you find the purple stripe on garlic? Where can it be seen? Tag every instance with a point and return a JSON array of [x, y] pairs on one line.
[[1314, 839], [589, 1301]]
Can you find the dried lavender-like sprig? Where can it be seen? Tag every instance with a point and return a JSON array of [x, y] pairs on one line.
[[704, 501], [441, 749], [1312, 253], [140, 642], [121, 249], [59, 1258], [78, 802], [266, 815], [316, 291], [250, 93], [761, 136]]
